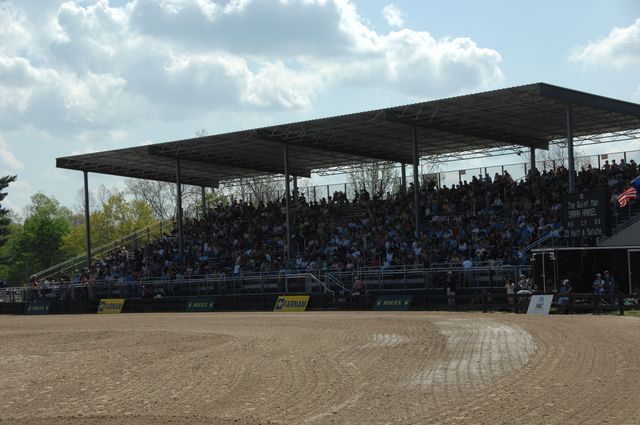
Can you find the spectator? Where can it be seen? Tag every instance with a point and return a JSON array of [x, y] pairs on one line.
[[598, 285], [610, 287], [450, 285], [482, 221], [565, 289], [510, 287]]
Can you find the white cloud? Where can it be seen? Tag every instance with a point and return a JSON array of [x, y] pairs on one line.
[[620, 48], [393, 16], [8, 158], [77, 67]]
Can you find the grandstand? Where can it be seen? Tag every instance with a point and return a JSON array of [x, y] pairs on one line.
[[481, 229]]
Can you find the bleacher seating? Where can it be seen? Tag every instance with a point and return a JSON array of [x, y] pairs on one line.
[[484, 221]]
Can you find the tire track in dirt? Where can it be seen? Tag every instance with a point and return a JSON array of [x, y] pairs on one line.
[[317, 368]]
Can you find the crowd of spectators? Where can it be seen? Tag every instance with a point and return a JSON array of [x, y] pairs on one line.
[[481, 221]]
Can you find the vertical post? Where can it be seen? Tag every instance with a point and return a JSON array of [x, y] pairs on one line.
[[403, 184], [572, 177], [544, 272], [532, 159], [204, 201], [328, 193], [314, 194], [502, 169], [295, 189], [287, 197], [416, 183], [179, 208], [87, 217]]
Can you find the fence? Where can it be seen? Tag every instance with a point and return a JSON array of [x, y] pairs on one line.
[[450, 177], [334, 282]]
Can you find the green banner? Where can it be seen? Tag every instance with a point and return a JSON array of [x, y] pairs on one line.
[[393, 302], [200, 304], [38, 307]]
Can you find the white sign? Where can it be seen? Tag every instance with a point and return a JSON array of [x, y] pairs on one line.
[[540, 304]]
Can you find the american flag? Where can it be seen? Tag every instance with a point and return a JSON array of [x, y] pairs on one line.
[[627, 195]]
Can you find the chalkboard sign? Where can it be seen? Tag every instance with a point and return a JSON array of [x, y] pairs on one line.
[[587, 215]]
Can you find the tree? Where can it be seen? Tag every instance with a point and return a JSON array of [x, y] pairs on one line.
[[120, 217], [38, 243], [115, 218], [13, 269], [5, 220], [259, 189], [160, 196], [374, 178]]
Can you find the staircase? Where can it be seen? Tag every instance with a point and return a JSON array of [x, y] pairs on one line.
[[544, 241], [148, 233], [625, 227]]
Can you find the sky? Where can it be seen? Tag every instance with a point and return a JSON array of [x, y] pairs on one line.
[[85, 76]]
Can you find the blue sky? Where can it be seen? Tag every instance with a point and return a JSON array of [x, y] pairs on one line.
[[84, 76]]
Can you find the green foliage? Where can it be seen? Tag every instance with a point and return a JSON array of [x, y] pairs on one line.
[[43, 231], [38, 243], [118, 217], [12, 267], [51, 233], [4, 213]]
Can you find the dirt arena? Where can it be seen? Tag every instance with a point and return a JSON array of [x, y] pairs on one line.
[[319, 368]]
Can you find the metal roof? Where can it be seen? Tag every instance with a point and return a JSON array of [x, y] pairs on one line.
[[525, 116]]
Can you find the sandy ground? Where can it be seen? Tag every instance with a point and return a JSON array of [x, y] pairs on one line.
[[319, 368]]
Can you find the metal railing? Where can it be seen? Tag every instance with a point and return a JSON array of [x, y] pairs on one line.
[[550, 236], [151, 231], [292, 282], [517, 171]]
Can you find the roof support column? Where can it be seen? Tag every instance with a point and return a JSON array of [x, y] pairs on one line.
[[532, 158], [416, 183], [204, 201], [87, 218], [571, 167], [403, 178], [287, 197], [295, 190], [179, 209]]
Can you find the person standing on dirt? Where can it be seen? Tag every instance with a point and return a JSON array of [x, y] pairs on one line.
[[511, 290], [450, 285], [610, 287], [598, 285], [598, 291]]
